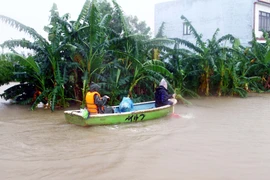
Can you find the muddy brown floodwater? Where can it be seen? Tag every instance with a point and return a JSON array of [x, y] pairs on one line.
[[224, 138]]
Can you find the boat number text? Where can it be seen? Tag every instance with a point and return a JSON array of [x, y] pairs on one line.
[[136, 117]]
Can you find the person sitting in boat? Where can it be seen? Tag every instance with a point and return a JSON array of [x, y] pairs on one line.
[[95, 103], [162, 97]]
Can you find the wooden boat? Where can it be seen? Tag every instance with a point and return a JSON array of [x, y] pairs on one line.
[[141, 112]]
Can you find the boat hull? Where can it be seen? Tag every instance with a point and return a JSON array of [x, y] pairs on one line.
[[138, 115]]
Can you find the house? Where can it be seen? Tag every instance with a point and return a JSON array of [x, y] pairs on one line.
[[237, 17]]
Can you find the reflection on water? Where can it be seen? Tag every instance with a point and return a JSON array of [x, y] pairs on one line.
[[215, 138]]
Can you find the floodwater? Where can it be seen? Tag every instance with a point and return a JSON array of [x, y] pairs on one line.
[[224, 138]]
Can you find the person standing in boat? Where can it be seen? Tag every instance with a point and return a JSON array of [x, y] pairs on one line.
[[162, 97], [94, 102]]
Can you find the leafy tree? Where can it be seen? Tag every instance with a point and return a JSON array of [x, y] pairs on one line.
[[138, 27]]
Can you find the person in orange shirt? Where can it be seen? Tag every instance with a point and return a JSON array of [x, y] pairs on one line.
[[94, 102]]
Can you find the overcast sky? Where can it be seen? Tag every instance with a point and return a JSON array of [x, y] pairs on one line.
[[35, 13]]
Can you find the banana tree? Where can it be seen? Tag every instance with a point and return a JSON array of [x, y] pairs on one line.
[[47, 54], [259, 60], [206, 54], [90, 43], [151, 70]]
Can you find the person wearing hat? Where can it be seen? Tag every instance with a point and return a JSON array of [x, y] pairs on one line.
[[94, 102], [162, 97]]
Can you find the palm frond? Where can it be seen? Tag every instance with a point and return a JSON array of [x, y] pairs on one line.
[[160, 41], [83, 14], [229, 37], [105, 20], [189, 45], [21, 27], [194, 32], [124, 24], [160, 33], [93, 20], [24, 44]]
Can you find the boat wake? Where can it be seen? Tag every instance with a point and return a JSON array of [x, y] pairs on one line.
[[187, 116]]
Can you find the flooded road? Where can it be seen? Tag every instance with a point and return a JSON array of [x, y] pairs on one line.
[[215, 138]]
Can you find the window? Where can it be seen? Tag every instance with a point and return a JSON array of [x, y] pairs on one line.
[[264, 21], [186, 29]]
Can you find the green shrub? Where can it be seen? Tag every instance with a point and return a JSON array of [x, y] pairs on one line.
[[6, 72]]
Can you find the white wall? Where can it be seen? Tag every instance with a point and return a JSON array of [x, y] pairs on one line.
[[230, 16]]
